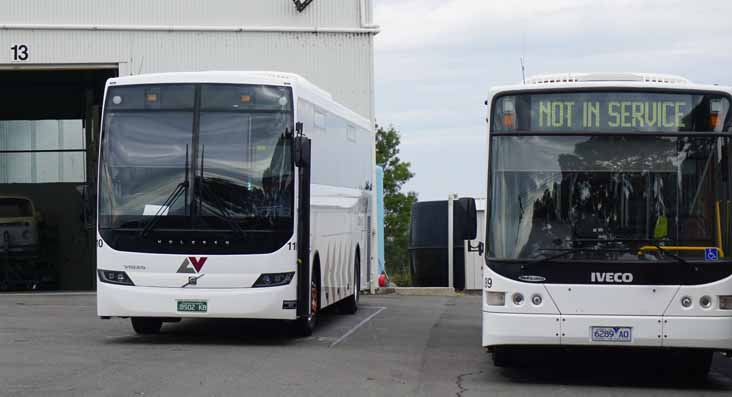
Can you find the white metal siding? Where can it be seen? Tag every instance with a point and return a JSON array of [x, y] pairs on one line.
[[330, 13], [339, 63]]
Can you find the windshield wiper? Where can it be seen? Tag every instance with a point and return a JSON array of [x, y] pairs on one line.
[[218, 203], [570, 251], [172, 198], [664, 251], [654, 243]]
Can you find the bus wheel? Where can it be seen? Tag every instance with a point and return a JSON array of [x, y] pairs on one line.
[[146, 326], [306, 326], [693, 366], [503, 357], [350, 304]]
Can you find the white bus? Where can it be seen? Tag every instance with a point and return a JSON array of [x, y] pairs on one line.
[[230, 195], [609, 218]]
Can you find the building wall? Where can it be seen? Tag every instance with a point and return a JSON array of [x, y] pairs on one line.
[[329, 43], [244, 13]]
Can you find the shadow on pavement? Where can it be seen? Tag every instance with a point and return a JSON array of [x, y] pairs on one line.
[[232, 332], [611, 369]]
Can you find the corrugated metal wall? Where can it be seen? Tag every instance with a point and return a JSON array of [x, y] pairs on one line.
[[324, 13], [341, 63]]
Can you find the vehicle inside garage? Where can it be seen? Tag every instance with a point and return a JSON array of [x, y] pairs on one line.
[[49, 129]]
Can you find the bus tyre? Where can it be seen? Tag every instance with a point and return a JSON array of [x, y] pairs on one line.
[[350, 304], [306, 326], [146, 326], [502, 357], [696, 365]]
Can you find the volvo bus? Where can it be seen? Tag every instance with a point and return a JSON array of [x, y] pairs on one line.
[[609, 217], [230, 195]]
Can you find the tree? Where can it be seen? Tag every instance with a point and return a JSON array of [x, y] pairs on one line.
[[397, 205]]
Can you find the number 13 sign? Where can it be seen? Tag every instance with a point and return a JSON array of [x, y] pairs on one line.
[[19, 53]]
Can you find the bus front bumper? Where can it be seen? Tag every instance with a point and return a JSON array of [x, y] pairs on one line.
[[251, 303], [503, 329]]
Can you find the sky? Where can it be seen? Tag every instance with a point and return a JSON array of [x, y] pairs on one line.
[[436, 60]]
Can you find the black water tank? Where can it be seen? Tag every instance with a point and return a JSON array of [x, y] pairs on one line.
[[428, 246]]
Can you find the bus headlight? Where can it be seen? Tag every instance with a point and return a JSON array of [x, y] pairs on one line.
[[518, 299], [725, 302], [495, 298], [686, 301], [705, 302], [273, 280], [114, 277]]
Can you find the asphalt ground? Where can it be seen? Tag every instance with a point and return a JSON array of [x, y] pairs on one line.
[[54, 345]]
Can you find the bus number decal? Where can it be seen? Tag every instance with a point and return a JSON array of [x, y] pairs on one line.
[[489, 283], [21, 52], [292, 246]]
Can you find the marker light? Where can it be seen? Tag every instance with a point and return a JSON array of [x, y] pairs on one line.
[[716, 108], [705, 302], [509, 114], [493, 298], [273, 280], [686, 301], [245, 98], [508, 121], [151, 97], [518, 299], [114, 277], [536, 300], [725, 302]]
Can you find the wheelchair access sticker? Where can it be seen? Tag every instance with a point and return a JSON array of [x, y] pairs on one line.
[[711, 254]]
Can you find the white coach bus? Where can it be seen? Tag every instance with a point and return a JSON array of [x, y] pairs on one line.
[[230, 195], [609, 217]]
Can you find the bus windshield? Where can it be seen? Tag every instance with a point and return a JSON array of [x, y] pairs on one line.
[[225, 150], [608, 196]]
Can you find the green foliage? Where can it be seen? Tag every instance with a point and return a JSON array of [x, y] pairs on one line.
[[397, 205]]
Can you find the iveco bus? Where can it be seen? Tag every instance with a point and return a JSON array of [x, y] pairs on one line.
[[609, 216], [230, 195]]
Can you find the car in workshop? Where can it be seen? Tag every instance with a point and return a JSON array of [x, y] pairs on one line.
[[19, 223]]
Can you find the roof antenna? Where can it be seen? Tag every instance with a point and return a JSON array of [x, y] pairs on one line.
[[523, 70], [523, 53]]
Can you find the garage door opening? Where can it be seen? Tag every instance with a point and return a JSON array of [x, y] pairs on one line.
[[49, 129]]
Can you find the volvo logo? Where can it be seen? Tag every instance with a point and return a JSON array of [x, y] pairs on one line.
[[192, 280], [597, 277]]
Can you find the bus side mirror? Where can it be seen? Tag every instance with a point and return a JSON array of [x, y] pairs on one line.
[[302, 151], [469, 216]]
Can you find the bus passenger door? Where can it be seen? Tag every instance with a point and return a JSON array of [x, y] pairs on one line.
[[302, 153]]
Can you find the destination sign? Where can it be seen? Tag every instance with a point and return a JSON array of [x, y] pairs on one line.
[[611, 111]]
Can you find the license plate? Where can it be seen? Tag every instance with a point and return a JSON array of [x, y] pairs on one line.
[[612, 334], [193, 306]]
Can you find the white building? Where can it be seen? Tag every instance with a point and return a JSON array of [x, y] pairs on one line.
[[55, 56]]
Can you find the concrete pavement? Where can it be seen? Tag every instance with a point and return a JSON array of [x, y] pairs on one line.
[[394, 346]]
